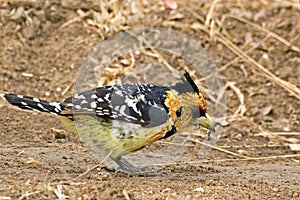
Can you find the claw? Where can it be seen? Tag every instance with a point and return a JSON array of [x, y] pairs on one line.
[[130, 169]]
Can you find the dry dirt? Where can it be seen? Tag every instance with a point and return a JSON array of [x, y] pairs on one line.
[[43, 44]]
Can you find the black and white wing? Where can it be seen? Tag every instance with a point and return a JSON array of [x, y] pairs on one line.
[[134, 103]]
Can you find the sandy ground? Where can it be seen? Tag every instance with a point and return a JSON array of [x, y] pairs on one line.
[[42, 47]]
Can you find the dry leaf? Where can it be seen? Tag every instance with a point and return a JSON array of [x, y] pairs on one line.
[[294, 147], [260, 15], [266, 110], [171, 4]]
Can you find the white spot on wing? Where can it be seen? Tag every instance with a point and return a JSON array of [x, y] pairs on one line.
[[55, 104], [36, 99], [78, 107], [100, 100], [23, 103], [106, 113], [155, 105], [77, 96], [132, 103], [142, 97], [83, 102], [94, 96], [93, 104], [106, 97], [40, 106], [56, 110], [119, 92], [81, 97], [122, 110]]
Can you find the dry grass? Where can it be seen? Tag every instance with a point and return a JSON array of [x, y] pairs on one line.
[[112, 17], [213, 29]]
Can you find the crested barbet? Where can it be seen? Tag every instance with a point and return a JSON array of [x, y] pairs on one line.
[[124, 118]]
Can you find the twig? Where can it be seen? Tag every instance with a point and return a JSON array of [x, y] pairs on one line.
[[259, 28], [247, 51], [231, 160], [58, 192], [222, 150], [225, 146], [67, 88], [27, 194], [76, 19], [92, 168], [159, 56], [242, 108], [126, 195], [259, 158], [286, 133], [291, 88], [273, 136]]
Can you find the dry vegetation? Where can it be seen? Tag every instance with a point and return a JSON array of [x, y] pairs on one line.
[[255, 45]]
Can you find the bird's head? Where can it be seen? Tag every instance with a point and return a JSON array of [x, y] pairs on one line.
[[193, 103]]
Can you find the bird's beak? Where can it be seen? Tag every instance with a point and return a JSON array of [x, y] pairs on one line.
[[207, 122]]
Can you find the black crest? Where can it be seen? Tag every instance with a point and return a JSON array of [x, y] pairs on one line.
[[187, 84]]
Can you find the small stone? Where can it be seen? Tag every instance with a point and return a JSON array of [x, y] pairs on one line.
[[125, 62], [199, 189], [242, 152]]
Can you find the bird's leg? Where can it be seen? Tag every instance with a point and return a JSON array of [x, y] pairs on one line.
[[129, 168], [125, 165], [208, 135]]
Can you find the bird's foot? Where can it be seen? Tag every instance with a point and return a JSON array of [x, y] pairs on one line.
[[128, 168]]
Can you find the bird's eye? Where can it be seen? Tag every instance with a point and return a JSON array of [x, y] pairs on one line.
[[178, 112]]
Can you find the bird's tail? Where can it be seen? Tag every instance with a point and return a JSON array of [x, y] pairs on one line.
[[32, 103]]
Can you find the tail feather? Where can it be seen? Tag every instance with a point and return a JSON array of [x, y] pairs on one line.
[[32, 103]]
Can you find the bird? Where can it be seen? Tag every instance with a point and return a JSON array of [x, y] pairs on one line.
[[123, 118]]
